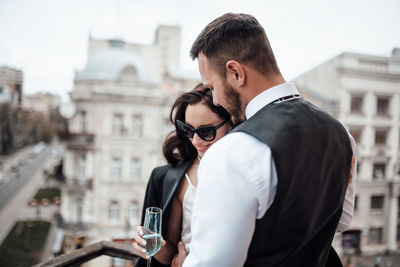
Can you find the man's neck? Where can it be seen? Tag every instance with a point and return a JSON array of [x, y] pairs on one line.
[[257, 83]]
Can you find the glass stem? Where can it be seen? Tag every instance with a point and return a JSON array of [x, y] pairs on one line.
[[149, 262]]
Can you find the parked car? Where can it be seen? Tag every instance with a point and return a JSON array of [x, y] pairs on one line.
[[37, 149], [14, 167], [22, 162]]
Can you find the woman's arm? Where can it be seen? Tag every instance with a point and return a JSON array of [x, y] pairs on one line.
[[153, 194], [173, 236], [152, 198]]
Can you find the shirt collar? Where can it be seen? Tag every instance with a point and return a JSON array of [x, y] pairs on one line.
[[268, 96]]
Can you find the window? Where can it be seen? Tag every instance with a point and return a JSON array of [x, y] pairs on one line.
[[116, 169], [382, 106], [380, 137], [82, 122], [134, 171], [81, 168], [375, 236], [377, 202], [398, 204], [79, 210], [128, 75], [356, 133], [379, 171], [117, 124], [398, 168], [137, 125], [113, 211], [356, 104], [133, 210], [355, 203], [358, 167], [398, 232]]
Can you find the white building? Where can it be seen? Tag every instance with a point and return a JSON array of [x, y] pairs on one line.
[[363, 92], [122, 101], [41, 102], [11, 85]]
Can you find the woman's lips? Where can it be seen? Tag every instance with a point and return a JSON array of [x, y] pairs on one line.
[[202, 148]]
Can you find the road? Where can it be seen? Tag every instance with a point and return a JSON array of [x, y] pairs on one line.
[[15, 192], [13, 181]]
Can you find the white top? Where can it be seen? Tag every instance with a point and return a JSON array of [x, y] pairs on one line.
[[187, 207], [235, 187]]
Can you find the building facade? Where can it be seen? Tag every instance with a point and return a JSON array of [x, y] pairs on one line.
[[363, 92], [120, 118], [42, 102], [11, 85]]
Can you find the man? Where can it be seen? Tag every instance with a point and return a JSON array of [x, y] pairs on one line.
[[271, 192]]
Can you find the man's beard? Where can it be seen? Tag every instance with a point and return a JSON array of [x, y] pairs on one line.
[[233, 104]]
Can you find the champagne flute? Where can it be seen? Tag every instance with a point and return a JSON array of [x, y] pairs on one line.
[[152, 232]]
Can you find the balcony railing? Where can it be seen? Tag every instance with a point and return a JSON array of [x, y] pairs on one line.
[[79, 141], [80, 256], [77, 185]]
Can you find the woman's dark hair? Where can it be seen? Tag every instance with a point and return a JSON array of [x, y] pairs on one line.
[[177, 147]]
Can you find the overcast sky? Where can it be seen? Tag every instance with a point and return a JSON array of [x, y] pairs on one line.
[[48, 39]]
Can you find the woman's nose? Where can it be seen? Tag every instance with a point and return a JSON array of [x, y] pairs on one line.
[[196, 139]]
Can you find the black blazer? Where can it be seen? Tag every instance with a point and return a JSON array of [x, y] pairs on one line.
[[161, 190]]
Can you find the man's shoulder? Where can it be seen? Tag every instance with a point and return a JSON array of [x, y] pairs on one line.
[[235, 145], [236, 140]]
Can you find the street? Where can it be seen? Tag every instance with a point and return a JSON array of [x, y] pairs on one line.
[[17, 190], [14, 180]]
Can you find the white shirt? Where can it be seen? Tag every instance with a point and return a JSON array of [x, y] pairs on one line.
[[187, 209], [236, 187]]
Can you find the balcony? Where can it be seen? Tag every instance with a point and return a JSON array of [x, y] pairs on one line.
[[80, 256], [78, 186], [79, 141], [381, 151], [73, 226]]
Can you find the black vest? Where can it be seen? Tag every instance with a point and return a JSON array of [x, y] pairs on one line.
[[312, 153]]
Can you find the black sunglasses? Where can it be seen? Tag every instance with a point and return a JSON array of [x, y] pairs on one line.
[[207, 133]]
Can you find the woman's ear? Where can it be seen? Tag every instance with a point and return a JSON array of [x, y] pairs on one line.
[[235, 73]]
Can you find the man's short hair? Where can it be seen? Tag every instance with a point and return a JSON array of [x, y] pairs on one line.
[[236, 37]]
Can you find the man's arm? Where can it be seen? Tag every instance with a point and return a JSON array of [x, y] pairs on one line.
[[226, 204]]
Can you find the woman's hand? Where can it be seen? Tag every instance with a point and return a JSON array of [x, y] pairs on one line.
[[139, 244]]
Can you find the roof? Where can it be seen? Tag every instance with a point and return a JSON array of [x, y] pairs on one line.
[[178, 73], [109, 64]]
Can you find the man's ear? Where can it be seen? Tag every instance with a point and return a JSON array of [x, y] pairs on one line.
[[235, 73]]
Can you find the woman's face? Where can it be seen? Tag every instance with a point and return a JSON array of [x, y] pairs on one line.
[[197, 115]]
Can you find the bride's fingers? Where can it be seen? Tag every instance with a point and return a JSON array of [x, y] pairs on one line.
[[140, 240], [139, 230], [139, 250]]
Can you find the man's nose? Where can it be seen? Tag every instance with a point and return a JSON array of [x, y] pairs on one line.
[[215, 102]]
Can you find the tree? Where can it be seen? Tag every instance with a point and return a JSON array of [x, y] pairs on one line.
[[20, 127]]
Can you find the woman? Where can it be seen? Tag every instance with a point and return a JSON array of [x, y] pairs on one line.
[[198, 124]]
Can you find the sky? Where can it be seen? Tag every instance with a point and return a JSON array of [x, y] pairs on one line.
[[48, 39]]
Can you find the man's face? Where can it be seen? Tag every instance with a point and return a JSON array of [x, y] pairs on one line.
[[223, 93]]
